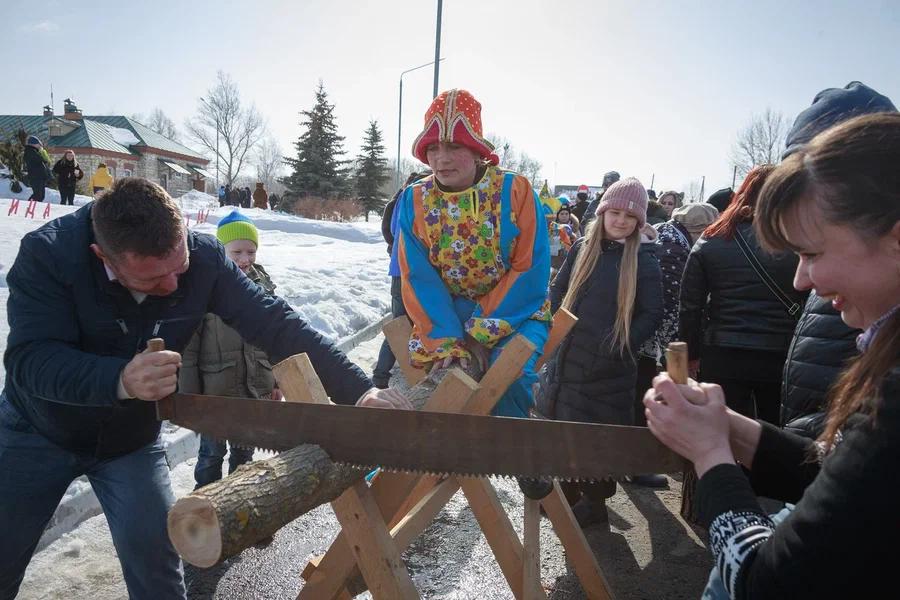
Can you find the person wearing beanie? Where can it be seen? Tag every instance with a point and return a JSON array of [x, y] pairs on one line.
[[822, 344], [738, 307], [37, 166], [581, 202], [720, 199], [218, 362], [612, 283], [474, 252]]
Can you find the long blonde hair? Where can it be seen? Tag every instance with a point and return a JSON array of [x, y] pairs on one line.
[[585, 264]]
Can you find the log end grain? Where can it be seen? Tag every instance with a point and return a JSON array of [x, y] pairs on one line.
[[195, 532]]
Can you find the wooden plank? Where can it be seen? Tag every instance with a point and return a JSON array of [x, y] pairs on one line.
[[563, 322], [497, 529], [531, 560], [576, 546], [397, 332], [505, 370], [298, 381], [423, 513], [370, 541], [394, 493]]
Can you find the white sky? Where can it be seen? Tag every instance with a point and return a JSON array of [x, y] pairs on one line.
[[640, 87]]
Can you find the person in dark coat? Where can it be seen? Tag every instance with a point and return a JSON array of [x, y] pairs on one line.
[[581, 204], [736, 326], [721, 199], [591, 377], [67, 174], [381, 374], [86, 292], [246, 198], [822, 344], [38, 168]]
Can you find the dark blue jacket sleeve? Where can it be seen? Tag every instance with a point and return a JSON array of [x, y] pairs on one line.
[[271, 324], [42, 358]]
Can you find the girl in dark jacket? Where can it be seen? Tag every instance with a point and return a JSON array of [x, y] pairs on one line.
[[611, 282], [67, 174], [738, 325]]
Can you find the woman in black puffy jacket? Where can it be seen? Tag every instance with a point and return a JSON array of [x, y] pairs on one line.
[[736, 318]]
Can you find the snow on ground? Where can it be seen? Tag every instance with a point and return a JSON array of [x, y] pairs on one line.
[[333, 274], [83, 562], [51, 196]]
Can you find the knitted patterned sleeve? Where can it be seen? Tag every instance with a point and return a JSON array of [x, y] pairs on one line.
[[841, 538]]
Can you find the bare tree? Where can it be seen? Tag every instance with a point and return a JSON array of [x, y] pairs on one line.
[[692, 191], [530, 168], [268, 161], [239, 128], [760, 142], [159, 122], [504, 150]]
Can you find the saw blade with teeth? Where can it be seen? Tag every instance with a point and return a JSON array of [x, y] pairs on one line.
[[428, 443]]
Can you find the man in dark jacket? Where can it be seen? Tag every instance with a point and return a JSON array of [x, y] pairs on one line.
[[86, 292], [581, 203], [37, 167], [822, 342]]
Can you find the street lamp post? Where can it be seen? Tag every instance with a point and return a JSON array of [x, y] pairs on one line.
[[400, 112], [216, 114]]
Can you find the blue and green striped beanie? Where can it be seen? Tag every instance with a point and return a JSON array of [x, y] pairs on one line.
[[236, 226]]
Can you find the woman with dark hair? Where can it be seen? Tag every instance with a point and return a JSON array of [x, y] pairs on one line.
[[836, 204], [738, 308]]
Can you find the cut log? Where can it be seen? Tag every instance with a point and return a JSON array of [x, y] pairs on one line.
[[220, 520]]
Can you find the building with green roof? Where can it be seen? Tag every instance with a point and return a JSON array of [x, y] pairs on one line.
[[126, 147]]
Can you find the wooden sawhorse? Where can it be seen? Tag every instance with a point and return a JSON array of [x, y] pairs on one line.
[[381, 520]]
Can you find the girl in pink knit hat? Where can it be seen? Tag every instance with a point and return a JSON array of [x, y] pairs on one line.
[[612, 283]]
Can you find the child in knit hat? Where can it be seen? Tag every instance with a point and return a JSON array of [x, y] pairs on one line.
[[219, 362], [611, 282]]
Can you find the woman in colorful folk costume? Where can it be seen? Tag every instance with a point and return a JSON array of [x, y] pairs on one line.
[[473, 250]]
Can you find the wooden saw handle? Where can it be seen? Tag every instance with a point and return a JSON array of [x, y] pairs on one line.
[[156, 345], [677, 362]]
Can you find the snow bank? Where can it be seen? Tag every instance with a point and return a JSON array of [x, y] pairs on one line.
[[51, 196]]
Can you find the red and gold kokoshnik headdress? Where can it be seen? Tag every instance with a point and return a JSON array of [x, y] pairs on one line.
[[454, 117]]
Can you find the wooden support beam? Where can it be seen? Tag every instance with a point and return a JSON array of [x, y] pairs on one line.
[[375, 552], [563, 322], [397, 332], [497, 529], [298, 381], [577, 549], [395, 494], [531, 543], [422, 514], [505, 370]]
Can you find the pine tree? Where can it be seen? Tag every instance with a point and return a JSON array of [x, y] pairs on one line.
[[371, 171], [318, 168], [12, 156]]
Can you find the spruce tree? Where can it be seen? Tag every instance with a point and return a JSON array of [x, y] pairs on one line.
[[318, 168], [371, 171]]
